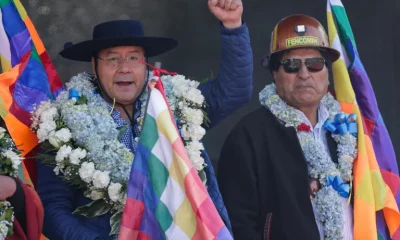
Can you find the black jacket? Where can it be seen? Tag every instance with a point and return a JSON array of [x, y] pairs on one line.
[[263, 179]]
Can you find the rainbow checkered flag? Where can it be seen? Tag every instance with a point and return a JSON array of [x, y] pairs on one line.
[[376, 177], [28, 77], [166, 198]]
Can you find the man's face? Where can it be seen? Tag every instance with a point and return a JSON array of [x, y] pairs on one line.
[[124, 80], [303, 88]]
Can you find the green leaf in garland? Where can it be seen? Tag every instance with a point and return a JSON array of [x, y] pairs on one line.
[[203, 177], [8, 214], [82, 100], [122, 131], [94, 209], [115, 222], [10, 231]]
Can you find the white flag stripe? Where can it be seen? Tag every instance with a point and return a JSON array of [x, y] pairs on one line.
[[5, 50], [174, 232], [172, 196], [156, 103], [336, 3], [163, 150]]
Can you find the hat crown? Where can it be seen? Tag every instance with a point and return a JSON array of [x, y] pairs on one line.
[[118, 29]]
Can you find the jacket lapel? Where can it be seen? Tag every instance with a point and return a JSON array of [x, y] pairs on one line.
[[332, 146]]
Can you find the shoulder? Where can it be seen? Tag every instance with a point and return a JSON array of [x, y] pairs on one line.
[[258, 126], [257, 119]]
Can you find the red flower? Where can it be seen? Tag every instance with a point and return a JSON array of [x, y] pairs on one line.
[[303, 128]]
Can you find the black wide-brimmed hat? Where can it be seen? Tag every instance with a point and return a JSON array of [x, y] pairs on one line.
[[114, 34]]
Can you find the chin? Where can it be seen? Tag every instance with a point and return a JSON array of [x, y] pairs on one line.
[[125, 101], [308, 101]]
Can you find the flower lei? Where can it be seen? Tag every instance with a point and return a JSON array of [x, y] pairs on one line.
[[188, 104], [10, 160], [79, 128], [328, 200]]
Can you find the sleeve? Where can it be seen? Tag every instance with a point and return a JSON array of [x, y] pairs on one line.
[[17, 201], [57, 198], [238, 184], [233, 86], [33, 212]]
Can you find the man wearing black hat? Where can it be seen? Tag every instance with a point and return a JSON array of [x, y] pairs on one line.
[[118, 52]]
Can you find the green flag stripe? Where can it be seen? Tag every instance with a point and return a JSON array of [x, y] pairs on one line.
[[158, 174], [150, 131], [344, 29], [163, 216], [3, 3], [35, 54]]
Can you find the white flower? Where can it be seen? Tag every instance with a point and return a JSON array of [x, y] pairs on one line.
[[193, 132], [14, 157], [56, 170], [194, 95], [195, 146], [63, 153], [53, 140], [96, 195], [42, 135], [197, 161], [101, 179], [2, 132], [77, 155], [193, 149], [44, 129], [49, 114], [114, 191], [194, 116], [81, 82], [37, 111], [64, 135], [86, 171], [3, 228]]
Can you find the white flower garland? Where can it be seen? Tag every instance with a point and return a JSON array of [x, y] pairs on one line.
[[187, 104], [10, 159], [85, 137], [327, 200]]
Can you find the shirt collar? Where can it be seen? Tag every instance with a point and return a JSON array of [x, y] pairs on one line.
[[323, 115]]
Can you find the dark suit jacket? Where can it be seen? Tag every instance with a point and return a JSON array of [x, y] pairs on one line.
[[263, 179]]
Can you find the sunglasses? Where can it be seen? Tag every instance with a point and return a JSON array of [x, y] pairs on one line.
[[293, 65]]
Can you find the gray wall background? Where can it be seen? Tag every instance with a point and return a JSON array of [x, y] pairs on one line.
[[375, 25]]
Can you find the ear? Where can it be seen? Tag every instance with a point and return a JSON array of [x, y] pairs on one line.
[[93, 67], [274, 73]]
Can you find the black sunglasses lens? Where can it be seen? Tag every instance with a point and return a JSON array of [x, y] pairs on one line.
[[315, 64], [291, 65]]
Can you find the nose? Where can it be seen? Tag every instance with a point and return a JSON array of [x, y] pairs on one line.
[[123, 67], [303, 73]]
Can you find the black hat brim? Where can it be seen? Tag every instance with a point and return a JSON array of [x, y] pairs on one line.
[[84, 51]]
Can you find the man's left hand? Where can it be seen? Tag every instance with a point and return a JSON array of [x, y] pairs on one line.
[[229, 12]]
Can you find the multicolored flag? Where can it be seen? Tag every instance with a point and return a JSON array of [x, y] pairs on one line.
[[28, 77], [166, 198], [376, 176]]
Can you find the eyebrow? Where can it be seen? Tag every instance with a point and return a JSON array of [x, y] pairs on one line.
[[112, 52]]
